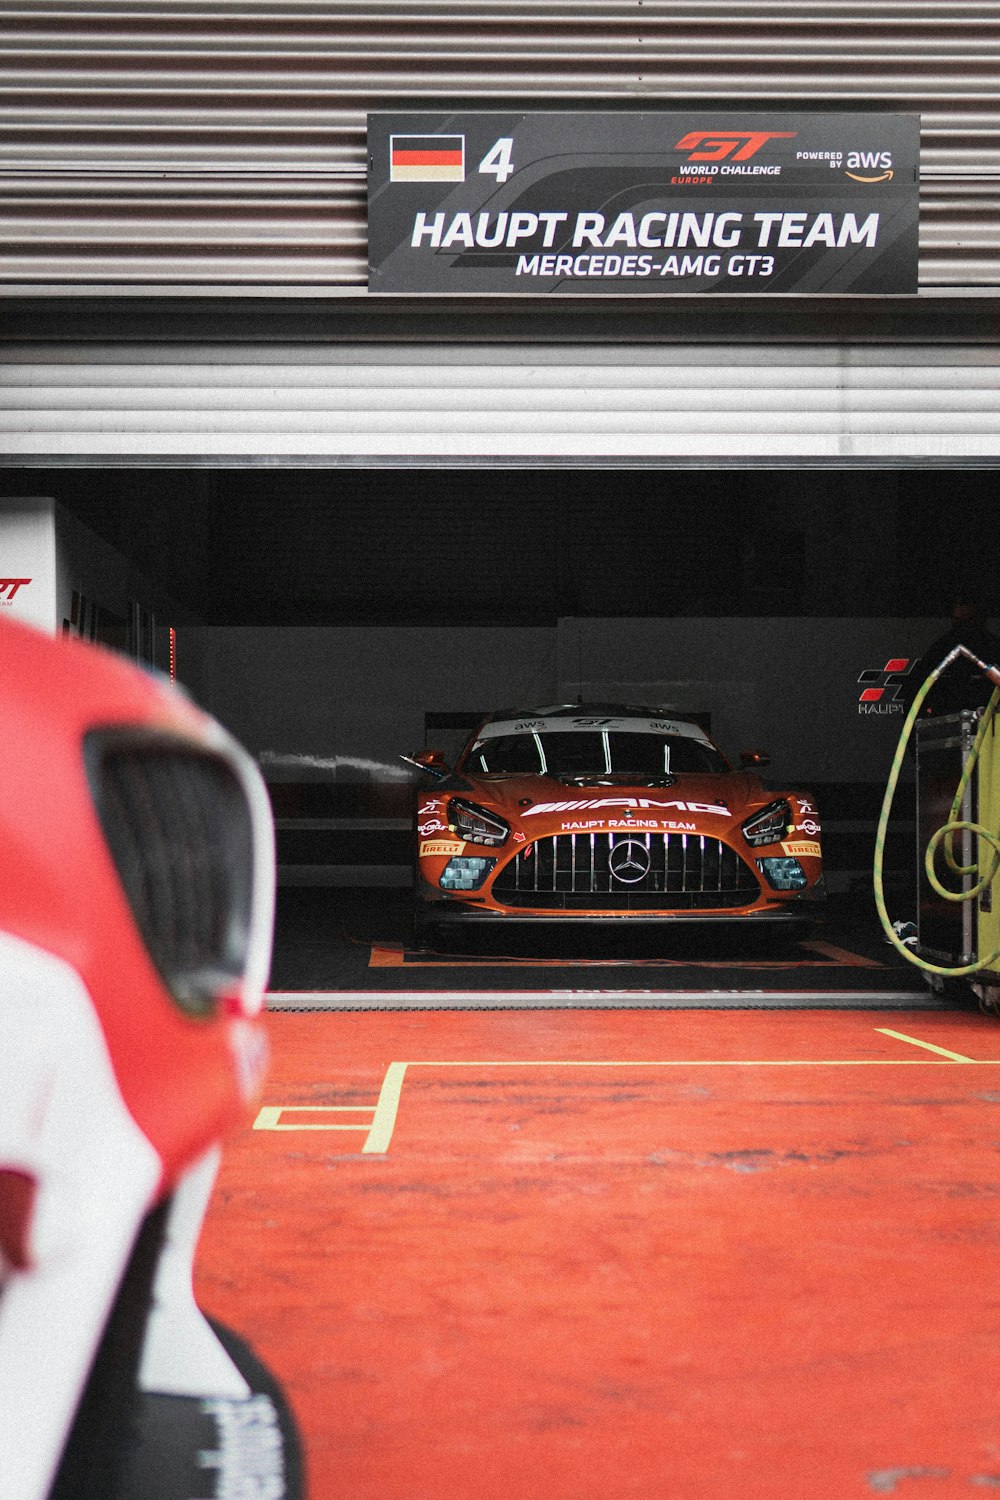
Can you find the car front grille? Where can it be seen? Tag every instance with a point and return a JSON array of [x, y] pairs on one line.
[[627, 871], [179, 830]]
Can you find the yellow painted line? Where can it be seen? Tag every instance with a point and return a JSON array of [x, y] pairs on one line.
[[729, 1062], [916, 1042], [386, 1110], [379, 1130], [269, 1118]]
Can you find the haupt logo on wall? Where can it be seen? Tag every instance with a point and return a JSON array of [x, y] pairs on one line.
[[882, 687], [619, 202]]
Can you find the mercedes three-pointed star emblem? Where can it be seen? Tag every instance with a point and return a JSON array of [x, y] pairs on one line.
[[629, 861]]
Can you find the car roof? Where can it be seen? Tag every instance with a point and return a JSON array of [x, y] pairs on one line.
[[571, 717], [587, 710]]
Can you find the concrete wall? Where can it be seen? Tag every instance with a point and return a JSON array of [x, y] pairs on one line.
[[345, 703], [91, 566], [788, 686]]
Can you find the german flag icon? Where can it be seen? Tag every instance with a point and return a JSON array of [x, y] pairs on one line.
[[427, 158]]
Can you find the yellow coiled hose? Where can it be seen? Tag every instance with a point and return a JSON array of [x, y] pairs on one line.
[[946, 835]]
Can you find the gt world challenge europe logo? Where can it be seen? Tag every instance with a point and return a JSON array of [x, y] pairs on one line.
[[881, 687]]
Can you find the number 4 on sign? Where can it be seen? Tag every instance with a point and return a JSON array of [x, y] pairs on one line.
[[496, 163]]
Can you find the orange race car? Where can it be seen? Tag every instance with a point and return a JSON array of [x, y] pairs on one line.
[[587, 812]]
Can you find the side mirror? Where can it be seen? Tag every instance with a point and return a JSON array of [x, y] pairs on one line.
[[754, 760], [432, 762]]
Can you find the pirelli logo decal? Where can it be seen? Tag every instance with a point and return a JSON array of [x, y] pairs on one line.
[[802, 848]]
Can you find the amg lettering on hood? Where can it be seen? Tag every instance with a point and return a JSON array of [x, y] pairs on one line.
[[591, 803]]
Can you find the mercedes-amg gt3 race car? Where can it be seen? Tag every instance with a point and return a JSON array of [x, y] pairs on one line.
[[595, 811]]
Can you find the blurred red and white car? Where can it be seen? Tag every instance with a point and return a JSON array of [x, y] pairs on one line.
[[136, 907]]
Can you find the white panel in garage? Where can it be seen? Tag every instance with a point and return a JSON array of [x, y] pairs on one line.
[[136, 404], [28, 589]]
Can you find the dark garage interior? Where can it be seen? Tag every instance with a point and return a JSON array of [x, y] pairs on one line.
[[397, 563], [489, 546]]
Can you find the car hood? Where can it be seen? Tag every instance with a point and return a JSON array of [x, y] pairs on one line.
[[543, 805]]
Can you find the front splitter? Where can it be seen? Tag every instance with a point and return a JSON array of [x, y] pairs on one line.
[[458, 916]]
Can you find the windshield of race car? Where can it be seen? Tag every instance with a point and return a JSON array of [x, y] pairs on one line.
[[592, 753]]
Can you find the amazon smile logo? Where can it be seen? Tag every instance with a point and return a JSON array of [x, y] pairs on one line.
[[869, 166]]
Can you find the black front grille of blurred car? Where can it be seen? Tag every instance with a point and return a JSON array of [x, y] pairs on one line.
[[570, 871], [179, 830]]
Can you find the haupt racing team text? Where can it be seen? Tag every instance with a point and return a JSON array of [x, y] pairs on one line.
[[752, 235]]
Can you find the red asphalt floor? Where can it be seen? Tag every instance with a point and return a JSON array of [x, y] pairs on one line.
[[743, 1255]]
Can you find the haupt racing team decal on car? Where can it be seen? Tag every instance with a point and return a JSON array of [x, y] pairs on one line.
[[607, 811], [134, 946]]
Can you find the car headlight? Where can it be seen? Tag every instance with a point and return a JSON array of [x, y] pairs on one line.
[[465, 872], [474, 824], [769, 826], [784, 874]]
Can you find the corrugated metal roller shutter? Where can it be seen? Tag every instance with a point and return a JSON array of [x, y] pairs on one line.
[[221, 142], [139, 404]]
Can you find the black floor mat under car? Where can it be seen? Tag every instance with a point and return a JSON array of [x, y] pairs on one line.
[[361, 940]]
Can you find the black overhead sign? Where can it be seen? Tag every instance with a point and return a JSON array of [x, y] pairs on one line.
[[620, 202]]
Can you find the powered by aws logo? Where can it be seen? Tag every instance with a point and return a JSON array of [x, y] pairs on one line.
[[861, 165], [9, 588]]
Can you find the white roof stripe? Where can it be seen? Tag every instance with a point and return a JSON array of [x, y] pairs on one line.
[[566, 725]]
